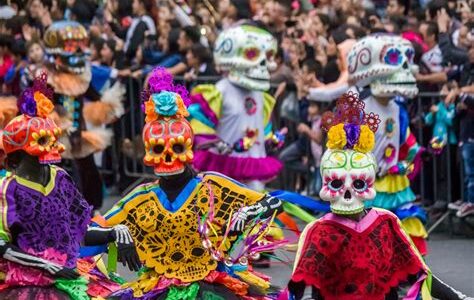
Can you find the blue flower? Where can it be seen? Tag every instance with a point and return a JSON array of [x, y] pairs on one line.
[[165, 103]]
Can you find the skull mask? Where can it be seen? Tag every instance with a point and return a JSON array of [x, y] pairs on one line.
[[66, 44], [168, 145], [36, 136], [247, 53], [348, 179], [386, 63]]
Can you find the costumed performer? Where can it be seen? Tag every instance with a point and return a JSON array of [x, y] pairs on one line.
[[385, 64], [44, 217], [231, 119], [355, 252], [80, 115], [181, 222]]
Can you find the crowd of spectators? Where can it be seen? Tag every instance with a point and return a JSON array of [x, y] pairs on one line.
[[132, 36]]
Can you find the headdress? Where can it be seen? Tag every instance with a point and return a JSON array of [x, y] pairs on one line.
[[350, 127], [167, 135], [32, 131], [348, 167]]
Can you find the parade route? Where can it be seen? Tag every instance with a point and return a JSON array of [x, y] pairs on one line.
[[450, 258]]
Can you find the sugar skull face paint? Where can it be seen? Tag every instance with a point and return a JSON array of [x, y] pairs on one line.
[[348, 180]]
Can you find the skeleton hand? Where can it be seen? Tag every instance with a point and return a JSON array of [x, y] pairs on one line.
[[127, 253], [16, 255], [223, 148], [264, 208]]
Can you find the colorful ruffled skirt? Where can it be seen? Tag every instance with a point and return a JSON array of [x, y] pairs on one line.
[[217, 285], [394, 194], [20, 282], [239, 168]]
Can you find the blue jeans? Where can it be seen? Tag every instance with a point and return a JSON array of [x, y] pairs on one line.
[[468, 159]]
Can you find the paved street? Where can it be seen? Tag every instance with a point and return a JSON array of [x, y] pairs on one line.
[[450, 258]]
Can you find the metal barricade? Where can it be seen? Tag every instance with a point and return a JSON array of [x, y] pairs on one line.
[[435, 181]]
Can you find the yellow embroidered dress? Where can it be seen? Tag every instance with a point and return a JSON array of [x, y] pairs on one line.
[[177, 265]]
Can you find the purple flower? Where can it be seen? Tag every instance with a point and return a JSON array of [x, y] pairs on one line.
[[352, 135], [28, 107]]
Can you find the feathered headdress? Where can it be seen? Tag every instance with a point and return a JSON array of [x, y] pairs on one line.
[[163, 98], [349, 127], [35, 101]]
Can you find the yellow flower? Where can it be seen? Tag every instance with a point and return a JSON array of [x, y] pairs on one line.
[[182, 149], [366, 140], [42, 140], [336, 137], [44, 106]]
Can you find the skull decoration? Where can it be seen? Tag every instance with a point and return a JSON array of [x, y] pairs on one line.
[[168, 145], [34, 135], [32, 131], [247, 53], [348, 167], [167, 135], [348, 180], [66, 44], [386, 63]]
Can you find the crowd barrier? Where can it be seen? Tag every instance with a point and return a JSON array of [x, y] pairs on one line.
[[440, 178]]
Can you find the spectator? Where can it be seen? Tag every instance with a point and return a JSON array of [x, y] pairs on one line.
[[95, 48], [82, 11], [432, 71], [308, 129], [451, 53], [164, 57], [397, 8], [199, 62], [188, 36], [36, 57], [40, 13], [142, 22], [117, 14], [15, 72], [278, 13], [6, 60]]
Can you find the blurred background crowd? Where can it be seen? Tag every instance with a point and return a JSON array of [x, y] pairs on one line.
[[130, 37]]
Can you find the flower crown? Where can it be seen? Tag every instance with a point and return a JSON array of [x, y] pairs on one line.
[[36, 101], [163, 98], [350, 127]]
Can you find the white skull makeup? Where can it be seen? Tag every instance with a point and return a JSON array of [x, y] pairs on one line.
[[247, 53], [348, 180], [386, 63]]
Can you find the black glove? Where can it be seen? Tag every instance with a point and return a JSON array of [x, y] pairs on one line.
[[127, 253], [66, 273]]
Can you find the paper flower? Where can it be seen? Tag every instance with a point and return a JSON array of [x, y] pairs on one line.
[[336, 137], [28, 106], [366, 140], [43, 104], [352, 135], [165, 103], [150, 111]]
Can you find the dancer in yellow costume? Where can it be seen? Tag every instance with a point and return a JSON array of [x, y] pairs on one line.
[[181, 223]]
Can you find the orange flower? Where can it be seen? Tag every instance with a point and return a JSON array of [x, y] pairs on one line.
[[150, 111], [44, 106]]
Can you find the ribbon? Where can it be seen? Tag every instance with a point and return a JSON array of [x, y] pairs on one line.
[[303, 201]]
